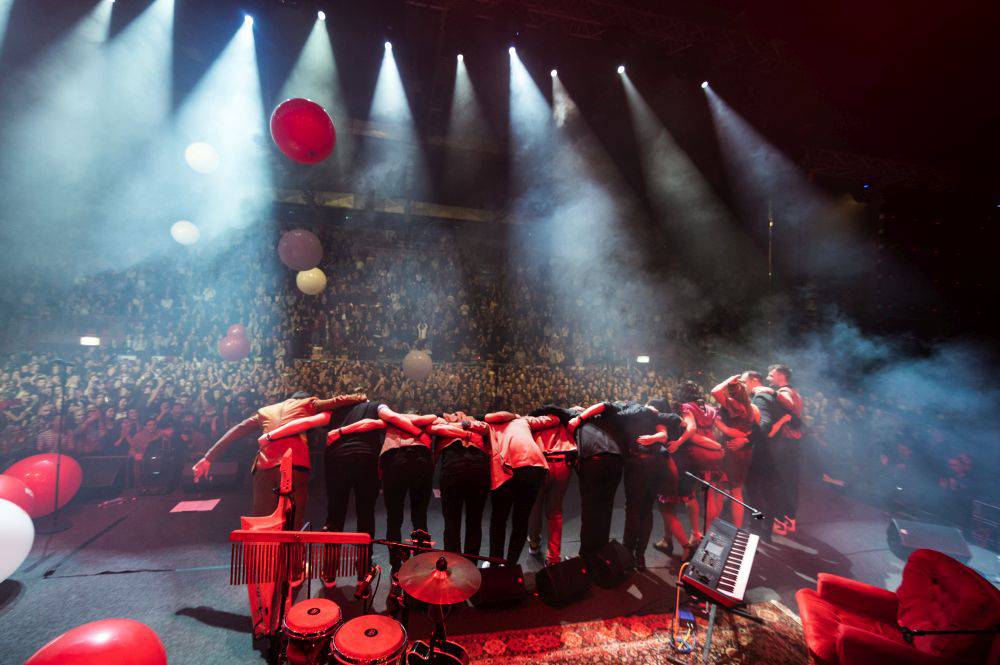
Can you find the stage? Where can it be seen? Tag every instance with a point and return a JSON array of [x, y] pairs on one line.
[[170, 570]]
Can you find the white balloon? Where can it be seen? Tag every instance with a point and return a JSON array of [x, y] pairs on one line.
[[185, 232], [202, 157], [417, 365], [311, 282], [17, 533]]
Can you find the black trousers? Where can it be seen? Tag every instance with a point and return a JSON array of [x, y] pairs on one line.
[[347, 472], [465, 484], [406, 471], [599, 478], [514, 499], [773, 480], [643, 478]]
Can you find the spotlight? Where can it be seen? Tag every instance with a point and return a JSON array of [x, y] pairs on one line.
[[704, 85], [321, 14], [553, 73], [388, 46], [247, 19], [621, 69], [512, 50], [461, 57]]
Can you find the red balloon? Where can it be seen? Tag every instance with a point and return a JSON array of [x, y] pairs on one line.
[[15, 491], [302, 130], [234, 347], [38, 472], [300, 249], [236, 330], [104, 641]]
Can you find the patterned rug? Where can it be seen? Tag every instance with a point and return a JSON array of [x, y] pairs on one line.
[[645, 639]]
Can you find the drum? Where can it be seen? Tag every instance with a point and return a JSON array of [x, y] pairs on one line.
[[371, 639], [308, 627]]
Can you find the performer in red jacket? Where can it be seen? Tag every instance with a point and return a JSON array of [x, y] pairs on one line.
[[556, 441], [265, 466]]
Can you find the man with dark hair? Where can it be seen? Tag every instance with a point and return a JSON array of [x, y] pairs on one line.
[[785, 436], [265, 468]]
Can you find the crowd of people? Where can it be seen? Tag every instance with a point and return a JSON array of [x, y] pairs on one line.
[[497, 331]]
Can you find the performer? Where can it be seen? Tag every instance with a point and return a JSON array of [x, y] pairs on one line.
[[518, 469], [464, 480], [265, 465], [786, 443], [354, 444], [761, 485], [600, 464], [406, 467], [696, 451], [549, 426], [738, 417], [642, 431]]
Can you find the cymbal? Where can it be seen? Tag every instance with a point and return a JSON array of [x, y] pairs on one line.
[[440, 578]]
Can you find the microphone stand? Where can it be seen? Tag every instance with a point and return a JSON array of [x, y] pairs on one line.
[[758, 515], [53, 525]]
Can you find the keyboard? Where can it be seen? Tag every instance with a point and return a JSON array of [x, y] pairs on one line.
[[720, 568]]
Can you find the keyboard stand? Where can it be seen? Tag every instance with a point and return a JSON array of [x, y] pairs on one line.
[[712, 612]]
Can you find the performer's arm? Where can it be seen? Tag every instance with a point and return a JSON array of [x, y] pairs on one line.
[[721, 391], [397, 420], [652, 439], [731, 432], [424, 420], [690, 427], [365, 425], [238, 431], [500, 417], [705, 442], [449, 429], [340, 400], [786, 398], [296, 426], [588, 413], [778, 424], [542, 422]]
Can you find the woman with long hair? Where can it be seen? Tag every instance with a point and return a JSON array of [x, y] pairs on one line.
[[737, 417]]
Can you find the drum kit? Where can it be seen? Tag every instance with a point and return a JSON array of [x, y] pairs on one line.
[[316, 635]]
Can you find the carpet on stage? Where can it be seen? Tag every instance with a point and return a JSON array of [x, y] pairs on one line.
[[644, 639]]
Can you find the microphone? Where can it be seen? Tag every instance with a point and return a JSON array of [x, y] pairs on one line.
[[365, 586], [61, 361]]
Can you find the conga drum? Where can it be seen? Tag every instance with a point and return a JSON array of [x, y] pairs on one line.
[[308, 627], [371, 639]]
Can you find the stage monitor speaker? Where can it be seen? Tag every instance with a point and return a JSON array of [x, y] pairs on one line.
[[503, 585], [563, 582], [610, 565], [906, 536], [103, 474], [225, 475]]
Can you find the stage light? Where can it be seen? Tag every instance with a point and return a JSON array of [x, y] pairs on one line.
[[88, 340], [553, 73], [202, 157], [388, 46], [247, 19], [621, 69], [512, 50], [321, 15], [642, 359], [184, 232], [704, 85], [461, 58]]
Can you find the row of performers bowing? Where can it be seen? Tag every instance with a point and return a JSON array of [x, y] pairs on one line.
[[521, 463]]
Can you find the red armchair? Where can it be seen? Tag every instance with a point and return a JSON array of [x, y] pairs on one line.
[[849, 623]]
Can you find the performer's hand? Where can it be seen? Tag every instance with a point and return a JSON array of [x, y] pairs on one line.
[[674, 445], [735, 444], [424, 438], [333, 436], [201, 469], [573, 423], [647, 439]]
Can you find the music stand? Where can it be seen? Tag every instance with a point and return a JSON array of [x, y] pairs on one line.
[[713, 610]]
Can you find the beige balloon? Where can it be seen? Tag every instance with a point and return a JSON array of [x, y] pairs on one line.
[[311, 282], [417, 365]]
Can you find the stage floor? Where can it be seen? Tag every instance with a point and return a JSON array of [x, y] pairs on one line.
[[169, 570]]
